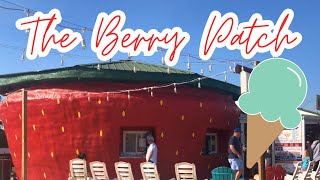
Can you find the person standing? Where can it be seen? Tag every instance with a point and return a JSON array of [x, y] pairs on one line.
[[234, 150], [152, 152], [315, 146]]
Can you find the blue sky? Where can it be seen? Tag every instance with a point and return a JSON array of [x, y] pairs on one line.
[[191, 16]]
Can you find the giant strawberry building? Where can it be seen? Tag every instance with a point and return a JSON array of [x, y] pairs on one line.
[[106, 110]]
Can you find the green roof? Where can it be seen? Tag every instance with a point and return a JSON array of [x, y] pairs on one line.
[[119, 71]]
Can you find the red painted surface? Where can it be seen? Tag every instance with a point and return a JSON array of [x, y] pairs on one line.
[[275, 173], [60, 123]]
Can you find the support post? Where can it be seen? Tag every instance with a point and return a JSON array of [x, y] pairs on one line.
[[24, 136], [261, 168]]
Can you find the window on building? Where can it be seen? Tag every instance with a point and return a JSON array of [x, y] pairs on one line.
[[134, 143], [211, 144]]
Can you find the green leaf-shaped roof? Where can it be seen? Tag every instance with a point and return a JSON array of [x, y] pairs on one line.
[[119, 71]]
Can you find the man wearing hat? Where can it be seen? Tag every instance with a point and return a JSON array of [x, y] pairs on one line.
[[234, 150]]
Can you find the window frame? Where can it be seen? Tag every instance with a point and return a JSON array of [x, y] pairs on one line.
[[215, 135], [124, 146]]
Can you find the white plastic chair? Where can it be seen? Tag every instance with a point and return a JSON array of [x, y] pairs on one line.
[[78, 169], [317, 174], [99, 170], [149, 171], [302, 175], [297, 171], [185, 171], [123, 170], [308, 173]]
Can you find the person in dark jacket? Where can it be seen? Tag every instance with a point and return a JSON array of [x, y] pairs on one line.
[[234, 150]]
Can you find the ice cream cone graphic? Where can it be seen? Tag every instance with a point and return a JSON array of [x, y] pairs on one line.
[[276, 88], [257, 146]]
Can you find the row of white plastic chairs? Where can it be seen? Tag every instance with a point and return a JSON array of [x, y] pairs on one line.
[[308, 174], [78, 170]]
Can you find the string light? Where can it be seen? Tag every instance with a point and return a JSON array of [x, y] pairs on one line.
[[70, 55], [242, 65], [28, 12], [151, 92], [189, 67], [22, 56], [134, 67], [199, 84], [99, 67], [225, 76], [131, 90], [61, 62], [83, 41]]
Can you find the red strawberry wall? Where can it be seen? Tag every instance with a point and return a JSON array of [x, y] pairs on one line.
[[64, 119]]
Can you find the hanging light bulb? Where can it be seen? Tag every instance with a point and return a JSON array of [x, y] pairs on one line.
[[162, 59], [99, 67], [199, 84], [22, 56], [134, 67], [175, 88], [28, 12], [128, 94], [83, 41], [225, 76], [242, 68], [189, 67], [61, 62], [84, 30], [151, 92], [210, 68], [107, 96]]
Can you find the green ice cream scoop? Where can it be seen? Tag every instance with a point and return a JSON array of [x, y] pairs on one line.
[[277, 87]]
